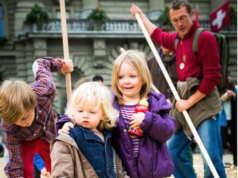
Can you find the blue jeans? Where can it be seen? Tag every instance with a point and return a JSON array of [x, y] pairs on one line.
[[209, 132]]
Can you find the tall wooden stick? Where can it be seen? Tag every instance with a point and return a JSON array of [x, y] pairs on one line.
[[65, 46], [185, 113]]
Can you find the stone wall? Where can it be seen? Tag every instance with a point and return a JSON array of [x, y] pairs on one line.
[[120, 9]]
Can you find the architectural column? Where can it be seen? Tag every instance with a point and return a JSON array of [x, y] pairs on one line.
[[99, 56], [87, 7], [29, 61], [40, 48], [21, 61], [155, 9], [22, 9]]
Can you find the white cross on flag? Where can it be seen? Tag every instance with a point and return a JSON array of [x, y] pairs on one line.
[[220, 17]]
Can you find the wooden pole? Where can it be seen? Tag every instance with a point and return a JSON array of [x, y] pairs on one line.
[[185, 113], [65, 46]]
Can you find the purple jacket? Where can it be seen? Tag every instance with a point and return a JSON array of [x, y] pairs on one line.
[[154, 159]]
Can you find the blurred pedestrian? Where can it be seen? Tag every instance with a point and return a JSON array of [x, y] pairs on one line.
[[98, 78]]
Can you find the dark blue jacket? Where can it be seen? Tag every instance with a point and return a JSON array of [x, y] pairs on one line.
[[98, 153]]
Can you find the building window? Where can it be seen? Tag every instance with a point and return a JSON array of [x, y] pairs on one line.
[[1, 22]]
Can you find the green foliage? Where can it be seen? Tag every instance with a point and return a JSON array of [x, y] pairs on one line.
[[233, 15], [3, 40], [164, 18], [97, 17], [38, 16]]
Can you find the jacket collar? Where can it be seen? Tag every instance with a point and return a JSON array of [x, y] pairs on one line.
[[89, 135], [65, 138]]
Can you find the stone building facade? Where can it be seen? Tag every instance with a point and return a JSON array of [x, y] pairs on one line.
[[92, 52]]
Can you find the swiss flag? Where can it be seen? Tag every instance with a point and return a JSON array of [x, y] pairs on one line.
[[220, 17], [197, 13]]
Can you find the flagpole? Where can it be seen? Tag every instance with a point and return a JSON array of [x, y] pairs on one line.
[[185, 113], [65, 46]]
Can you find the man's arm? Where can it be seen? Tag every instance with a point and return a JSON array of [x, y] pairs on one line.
[[157, 35]]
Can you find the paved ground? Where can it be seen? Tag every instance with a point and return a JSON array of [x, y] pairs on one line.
[[198, 165]]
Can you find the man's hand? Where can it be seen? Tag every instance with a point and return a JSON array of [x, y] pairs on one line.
[[193, 99], [134, 9], [68, 66], [182, 105], [137, 119], [66, 128]]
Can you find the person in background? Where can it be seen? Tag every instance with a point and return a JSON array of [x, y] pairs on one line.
[[169, 60], [228, 116], [98, 78]]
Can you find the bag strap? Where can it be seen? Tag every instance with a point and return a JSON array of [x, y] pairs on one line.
[[195, 39], [176, 42]]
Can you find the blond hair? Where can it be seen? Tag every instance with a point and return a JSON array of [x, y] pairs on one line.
[[137, 60], [15, 98], [89, 94]]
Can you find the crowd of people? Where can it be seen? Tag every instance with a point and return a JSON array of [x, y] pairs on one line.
[[92, 140]]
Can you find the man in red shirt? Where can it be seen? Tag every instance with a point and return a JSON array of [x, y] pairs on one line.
[[198, 76]]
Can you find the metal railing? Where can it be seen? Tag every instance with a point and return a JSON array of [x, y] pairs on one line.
[[128, 26]]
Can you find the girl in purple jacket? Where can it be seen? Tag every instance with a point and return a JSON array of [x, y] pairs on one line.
[[146, 156]]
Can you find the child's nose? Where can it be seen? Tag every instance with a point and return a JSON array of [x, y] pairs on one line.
[[85, 114], [127, 80]]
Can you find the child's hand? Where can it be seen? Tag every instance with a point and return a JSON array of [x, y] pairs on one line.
[[66, 128], [126, 176], [137, 119], [224, 97], [231, 93], [68, 66], [44, 173]]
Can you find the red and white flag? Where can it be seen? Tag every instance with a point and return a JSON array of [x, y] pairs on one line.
[[197, 13], [220, 17]]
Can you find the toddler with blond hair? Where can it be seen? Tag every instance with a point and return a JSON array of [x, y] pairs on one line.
[[87, 151]]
